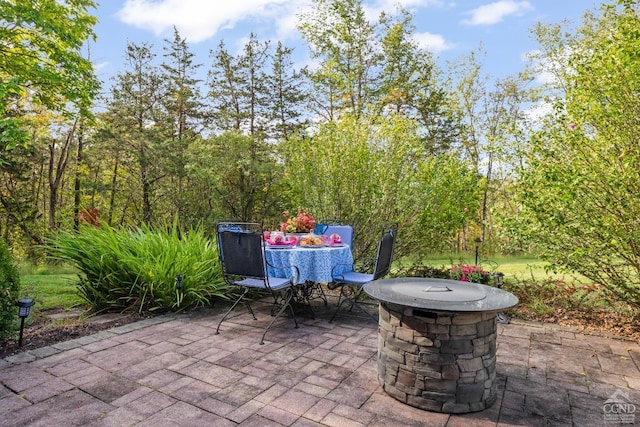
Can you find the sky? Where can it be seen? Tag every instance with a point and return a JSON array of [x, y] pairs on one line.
[[449, 29]]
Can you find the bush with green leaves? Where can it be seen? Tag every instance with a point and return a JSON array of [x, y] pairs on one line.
[[421, 270], [9, 289], [370, 173], [579, 184], [136, 269]]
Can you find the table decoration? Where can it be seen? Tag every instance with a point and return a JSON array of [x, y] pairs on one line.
[[335, 239], [278, 239], [311, 240], [302, 222]]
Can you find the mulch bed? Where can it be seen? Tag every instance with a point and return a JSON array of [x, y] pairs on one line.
[[45, 330]]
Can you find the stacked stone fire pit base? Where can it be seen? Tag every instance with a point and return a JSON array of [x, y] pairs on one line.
[[438, 361]]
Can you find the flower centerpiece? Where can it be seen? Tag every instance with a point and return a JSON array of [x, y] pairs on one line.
[[303, 222], [469, 273]]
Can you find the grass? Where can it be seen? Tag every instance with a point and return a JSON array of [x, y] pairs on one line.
[[516, 268], [51, 287]]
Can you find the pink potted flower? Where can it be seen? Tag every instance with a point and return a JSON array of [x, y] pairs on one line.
[[469, 273]]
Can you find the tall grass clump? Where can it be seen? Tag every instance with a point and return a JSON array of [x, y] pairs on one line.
[[136, 269]]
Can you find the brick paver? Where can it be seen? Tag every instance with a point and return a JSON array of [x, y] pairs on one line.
[[174, 370]]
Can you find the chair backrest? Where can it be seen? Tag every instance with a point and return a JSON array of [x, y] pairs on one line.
[[345, 232], [385, 252], [241, 251]]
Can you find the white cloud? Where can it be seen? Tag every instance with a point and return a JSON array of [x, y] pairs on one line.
[[200, 20], [432, 42], [286, 18], [536, 114], [373, 9], [197, 20], [493, 13]]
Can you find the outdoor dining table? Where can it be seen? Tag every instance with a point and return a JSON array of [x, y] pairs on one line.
[[315, 264]]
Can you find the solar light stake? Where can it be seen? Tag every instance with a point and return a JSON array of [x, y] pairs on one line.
[[24, 308], [179, 281]]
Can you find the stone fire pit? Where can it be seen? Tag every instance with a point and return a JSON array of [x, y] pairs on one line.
[[437, 342]]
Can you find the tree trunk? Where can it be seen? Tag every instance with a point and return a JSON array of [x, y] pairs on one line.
[[76, 189], [112, 196], [56, 172]]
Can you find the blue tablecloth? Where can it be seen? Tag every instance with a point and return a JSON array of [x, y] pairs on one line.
[[315, 264]]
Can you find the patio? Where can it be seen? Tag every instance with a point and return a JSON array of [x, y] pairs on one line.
[[174, 370]]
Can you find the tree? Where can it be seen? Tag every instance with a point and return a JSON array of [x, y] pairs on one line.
[[41, 62], [285, 85], [375, 69], [19, 198], [185, 116], [238, 173], [409, 84], [344, 41], [138, 120], [225, 94], [492, 116], [59, 154], [238, 88], [579, 188]]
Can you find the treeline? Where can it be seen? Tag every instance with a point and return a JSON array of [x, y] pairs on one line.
[[374, 132]]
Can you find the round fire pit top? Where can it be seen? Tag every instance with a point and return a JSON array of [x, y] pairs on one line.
[[440, 294]]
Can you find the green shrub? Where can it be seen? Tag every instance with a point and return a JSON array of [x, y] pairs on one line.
[[9, 289], [422, 270], [136, 269]]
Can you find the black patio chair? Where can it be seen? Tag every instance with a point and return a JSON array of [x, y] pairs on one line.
[[244, 265], [351, 282]]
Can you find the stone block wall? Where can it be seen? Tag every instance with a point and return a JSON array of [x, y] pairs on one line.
[[438, 361]]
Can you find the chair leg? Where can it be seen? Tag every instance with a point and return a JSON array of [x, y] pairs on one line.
[[234, 306], [285, 304], [340, 302], [304, 294], [353, 301], [356, 294], [317, 287], [336, 285]]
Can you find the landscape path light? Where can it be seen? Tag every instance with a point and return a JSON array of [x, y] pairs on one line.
[[498, 278], [478, 240], [24, 308]]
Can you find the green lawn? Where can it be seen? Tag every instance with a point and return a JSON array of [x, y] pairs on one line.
[[514, 267], [50, 287]]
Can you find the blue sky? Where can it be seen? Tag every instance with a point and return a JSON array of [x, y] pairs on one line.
[[447, 28]]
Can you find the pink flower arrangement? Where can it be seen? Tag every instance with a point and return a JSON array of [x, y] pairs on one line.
[[303, 222], [469, 273]]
